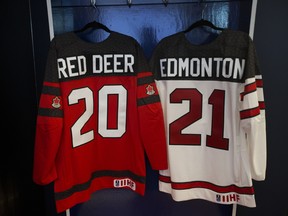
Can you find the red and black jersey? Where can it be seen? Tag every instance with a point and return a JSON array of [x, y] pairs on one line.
[[99, 112]]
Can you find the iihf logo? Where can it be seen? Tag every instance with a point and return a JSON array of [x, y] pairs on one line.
[[56, 102], [150, 90], [228, 198], [125, 182]]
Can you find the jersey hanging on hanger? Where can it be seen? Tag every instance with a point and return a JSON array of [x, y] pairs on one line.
[[99, 111], [213, 102]]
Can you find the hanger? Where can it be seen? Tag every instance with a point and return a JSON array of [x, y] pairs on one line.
[[95, 25], [129, 2], [202, 22]]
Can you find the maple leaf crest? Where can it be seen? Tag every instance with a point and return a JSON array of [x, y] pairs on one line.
[[150, 90], [56, 102]]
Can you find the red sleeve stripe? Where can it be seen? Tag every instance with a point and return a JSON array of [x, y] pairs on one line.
[[259, 83], [262, 105], [164, 179], [52, 84], [144, 74], [209, 186], [249, 113], [248, 89]]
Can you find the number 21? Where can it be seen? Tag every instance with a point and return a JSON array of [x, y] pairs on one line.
[[216, 100]]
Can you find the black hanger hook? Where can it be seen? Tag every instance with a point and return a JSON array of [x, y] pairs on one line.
[[165, 2], [129, 2], [93, 3]]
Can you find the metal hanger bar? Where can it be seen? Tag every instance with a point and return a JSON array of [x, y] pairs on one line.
[[99, 3]]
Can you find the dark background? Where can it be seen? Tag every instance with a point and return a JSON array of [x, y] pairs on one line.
[[24, 45]]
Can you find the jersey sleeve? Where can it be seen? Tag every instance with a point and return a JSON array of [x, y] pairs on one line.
[[252, 115], [49, 123], [151, 117]]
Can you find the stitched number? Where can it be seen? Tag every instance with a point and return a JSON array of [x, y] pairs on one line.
[[216, 140], [195, 103], [119, 93], [120, 116], [194, 98], [73, 98]]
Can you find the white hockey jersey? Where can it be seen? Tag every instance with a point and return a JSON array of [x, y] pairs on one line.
[[213, 103]]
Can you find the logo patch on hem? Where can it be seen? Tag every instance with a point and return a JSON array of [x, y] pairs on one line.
[[228, 198], [126, 182]]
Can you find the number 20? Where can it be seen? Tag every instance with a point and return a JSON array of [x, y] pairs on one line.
[[87, 94], [216, 100]]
